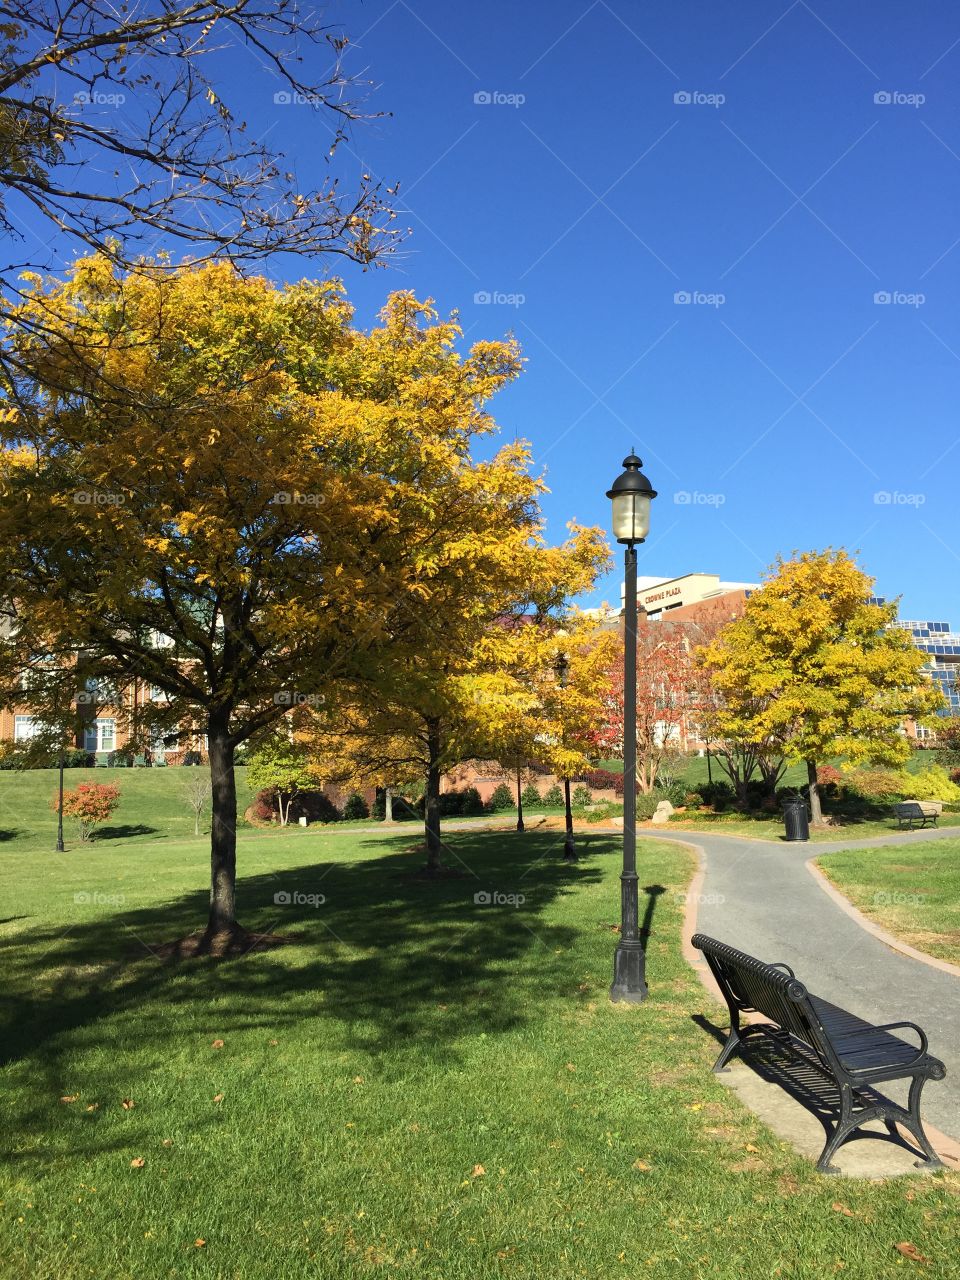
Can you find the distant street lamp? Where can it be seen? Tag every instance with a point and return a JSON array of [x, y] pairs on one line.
[[631, 495], [569, 848], [60, 845], [519, 801]]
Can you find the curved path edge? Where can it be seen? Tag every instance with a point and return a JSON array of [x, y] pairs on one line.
[[864, 921], [946, 1147]]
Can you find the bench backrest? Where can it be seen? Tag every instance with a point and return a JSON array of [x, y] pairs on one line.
[[909, 809], [749, 983]]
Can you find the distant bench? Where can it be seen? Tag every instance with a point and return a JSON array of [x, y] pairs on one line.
[[854, 1054], [909, 812]]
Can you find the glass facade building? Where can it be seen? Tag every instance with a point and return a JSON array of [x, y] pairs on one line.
[[942, 647]]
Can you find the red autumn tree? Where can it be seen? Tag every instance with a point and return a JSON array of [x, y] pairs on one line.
[[663, 678], [88, 804]]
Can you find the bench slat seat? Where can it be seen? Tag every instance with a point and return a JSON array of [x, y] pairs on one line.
[[854, 1053]]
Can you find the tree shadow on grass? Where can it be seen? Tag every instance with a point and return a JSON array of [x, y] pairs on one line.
[[405, 966], [124, 832]]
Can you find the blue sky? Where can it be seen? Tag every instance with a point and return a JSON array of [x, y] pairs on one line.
[[778, 193]]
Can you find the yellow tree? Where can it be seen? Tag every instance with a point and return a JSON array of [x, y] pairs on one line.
[[493, 616], [222, 488], [813, 666]]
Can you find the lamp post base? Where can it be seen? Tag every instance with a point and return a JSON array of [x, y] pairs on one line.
[[569, 849], [629, 976]]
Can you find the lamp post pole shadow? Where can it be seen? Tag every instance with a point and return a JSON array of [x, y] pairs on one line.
[[631, 495]]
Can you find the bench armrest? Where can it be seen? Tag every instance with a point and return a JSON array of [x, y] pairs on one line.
[[781, 965], [895, 1026]]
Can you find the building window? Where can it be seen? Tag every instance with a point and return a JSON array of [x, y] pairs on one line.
[[101, 735], [25, 728]]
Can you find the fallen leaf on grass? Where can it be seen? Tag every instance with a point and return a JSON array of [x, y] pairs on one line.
[[70, 1097], [168, 1142], [274, 1042], [837, 1207], [128, 1104], [641, 1165], [910, 1251], [751, 1147], [93, 1106], [218, 1097], [217, 1044], [358, 1079], [571, 1067], [138, 1162], [695, 1106], [199, 1243], [478, 1171]]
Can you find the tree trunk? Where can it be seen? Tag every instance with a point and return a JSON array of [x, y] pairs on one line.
[[816, 813], [223, 829], [432, 800], [387, 805]]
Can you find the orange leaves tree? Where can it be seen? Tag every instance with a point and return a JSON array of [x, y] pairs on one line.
[[89, 804], [223, 488], [663, 682]]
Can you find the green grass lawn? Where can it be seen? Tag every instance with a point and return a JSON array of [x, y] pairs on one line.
[[152, 806], [914, 891], [419, 1085]]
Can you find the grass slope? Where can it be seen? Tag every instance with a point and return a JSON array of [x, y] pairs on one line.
[[912, 890], [422, 1086]]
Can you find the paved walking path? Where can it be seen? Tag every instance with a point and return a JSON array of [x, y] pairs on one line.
[[759, 896]]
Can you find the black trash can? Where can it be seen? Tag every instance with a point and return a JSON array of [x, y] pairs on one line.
[[795, 819]]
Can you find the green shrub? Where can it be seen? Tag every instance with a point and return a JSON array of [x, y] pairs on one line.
[[598, 812], [530, 796], [501, 799], [581, 796], [553, 799], [355, 808], [647, 805]]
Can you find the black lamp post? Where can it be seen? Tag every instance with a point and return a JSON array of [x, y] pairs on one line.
[[569, 848], [60, 845], [631, 495], [519, 801]]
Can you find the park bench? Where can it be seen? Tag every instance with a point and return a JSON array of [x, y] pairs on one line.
[[855, 1055], [910, 811]]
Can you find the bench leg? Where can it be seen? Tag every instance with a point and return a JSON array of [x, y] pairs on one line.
[[844, 1127], [914, 1124], [733, 1041]]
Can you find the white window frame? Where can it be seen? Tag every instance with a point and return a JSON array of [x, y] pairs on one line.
[[95, 735], [25, 728]]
